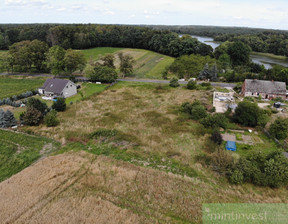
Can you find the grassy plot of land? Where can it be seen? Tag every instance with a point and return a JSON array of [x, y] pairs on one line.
[[86, 90], [18, 151], [148, 64], [97, 53], [10, 86]]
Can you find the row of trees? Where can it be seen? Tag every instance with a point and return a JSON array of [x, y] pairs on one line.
[[88, 36], [27, 55]]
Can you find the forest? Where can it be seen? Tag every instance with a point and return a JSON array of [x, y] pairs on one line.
[[92, 35]]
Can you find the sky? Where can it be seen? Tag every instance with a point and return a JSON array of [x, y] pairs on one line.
[[242, 13]]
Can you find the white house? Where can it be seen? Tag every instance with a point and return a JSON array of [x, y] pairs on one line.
[[58, 87]]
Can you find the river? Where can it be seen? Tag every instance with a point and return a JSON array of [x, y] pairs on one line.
[[265, 60]]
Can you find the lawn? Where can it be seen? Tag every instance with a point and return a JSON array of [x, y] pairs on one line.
[[10, 86], [18, 151]]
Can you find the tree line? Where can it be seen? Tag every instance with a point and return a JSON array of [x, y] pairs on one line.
[[79, 36]]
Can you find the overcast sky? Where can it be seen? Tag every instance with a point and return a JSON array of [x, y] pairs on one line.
[[245, 13]]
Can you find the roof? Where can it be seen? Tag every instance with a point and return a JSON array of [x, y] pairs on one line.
[[231, 145], [55, 85], [264, 86]]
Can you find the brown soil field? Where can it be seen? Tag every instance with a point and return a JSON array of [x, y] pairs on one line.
[[83, 188]]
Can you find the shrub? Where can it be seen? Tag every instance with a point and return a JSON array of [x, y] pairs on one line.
[[216, 137], [192, 84], [59, 105], [279, 129], [51, 119], [196, 110], [174, 83], [236, 177], [32, 116], [215, 121]]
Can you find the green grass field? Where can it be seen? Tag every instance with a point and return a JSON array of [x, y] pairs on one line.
[[18, 151], [10, 87], [97, 53], [148, 64]]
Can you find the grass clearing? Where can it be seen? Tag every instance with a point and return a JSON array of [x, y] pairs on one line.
[[148, 64], [97, 53], [12, 86], [18, 151]]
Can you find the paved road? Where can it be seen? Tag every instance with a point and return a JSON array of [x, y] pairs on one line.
[[220, 84]]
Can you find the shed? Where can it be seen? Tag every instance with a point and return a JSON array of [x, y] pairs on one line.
[[231, 146]]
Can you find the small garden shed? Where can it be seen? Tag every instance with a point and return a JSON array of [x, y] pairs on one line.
[[231, 146]]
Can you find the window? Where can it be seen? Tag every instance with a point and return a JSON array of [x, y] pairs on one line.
[[67, 87]]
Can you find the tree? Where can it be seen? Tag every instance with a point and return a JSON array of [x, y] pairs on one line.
[[32, 116], [51, 119], [59, 104], [239, 53], [9, 119], [174, 83], [126, 63], [39, 50], [215, 121], [55, 59], [279, 129], [247, 113], [108, 60], [38, 105], [74, 60], [191, 84], [2, 123], [103, 74]]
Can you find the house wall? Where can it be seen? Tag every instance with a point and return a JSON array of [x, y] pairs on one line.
[[264, 95], [69, 90]]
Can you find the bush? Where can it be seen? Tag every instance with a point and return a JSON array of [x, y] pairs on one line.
[[196, 110], [192, 84], [236, 177], [174, 83], [216, 137], [7, 119], [215, 121], [59, 105], [279, 129], [270, 170], [51, 119]]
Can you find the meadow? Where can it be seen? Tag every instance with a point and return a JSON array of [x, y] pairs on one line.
[[14, 86], [18, 151], [133, 135], [148, 64]]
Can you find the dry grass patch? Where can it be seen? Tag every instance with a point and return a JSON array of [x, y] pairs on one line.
[[82, 188]]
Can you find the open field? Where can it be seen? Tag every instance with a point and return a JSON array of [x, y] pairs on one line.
[[97, 53], [148, 64], [17, 151], [80, 188], [11, 86], [270, 55], [129, 155]]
